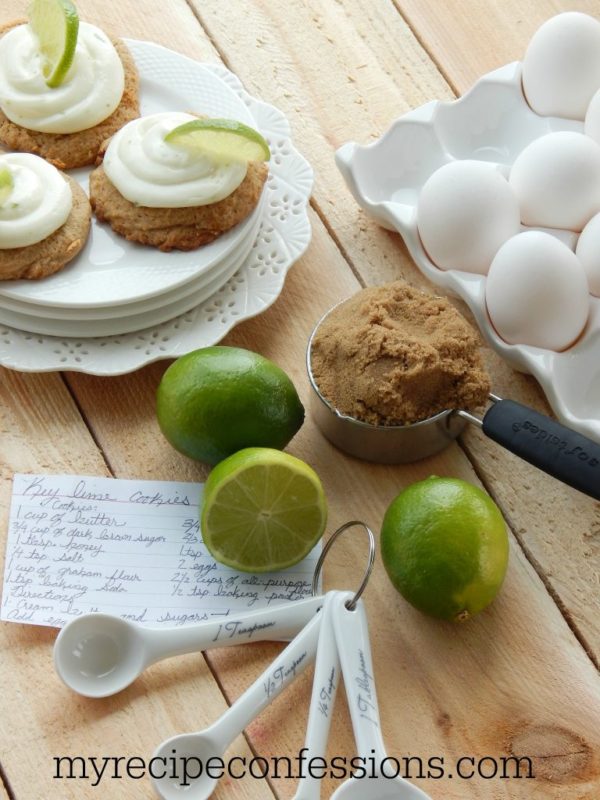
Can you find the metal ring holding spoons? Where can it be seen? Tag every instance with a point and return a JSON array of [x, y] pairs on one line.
[[351, 604]]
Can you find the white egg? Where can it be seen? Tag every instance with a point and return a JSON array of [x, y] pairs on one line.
[[536, 292], [466, 210], [588, 252], [561, 68], [592, 118], [556, 179]]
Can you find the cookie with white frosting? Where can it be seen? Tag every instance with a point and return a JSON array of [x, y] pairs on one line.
[[44, 219], [66, 124], [155, 193]]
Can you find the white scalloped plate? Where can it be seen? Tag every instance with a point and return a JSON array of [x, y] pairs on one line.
[[123, 318], [492, 122], [110, 270], [283, 237], [134, 320]]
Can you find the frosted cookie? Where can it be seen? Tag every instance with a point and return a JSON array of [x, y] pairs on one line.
[[44, 217], [66, 124], [161, 194]]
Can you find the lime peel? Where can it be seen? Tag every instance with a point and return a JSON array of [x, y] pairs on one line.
[[445, 547], [217, 400], [56, 25], [224, 140]]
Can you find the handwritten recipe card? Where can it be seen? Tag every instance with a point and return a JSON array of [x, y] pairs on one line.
[[130, 548]]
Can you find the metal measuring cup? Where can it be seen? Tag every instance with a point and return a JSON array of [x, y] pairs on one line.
[[557, 450]]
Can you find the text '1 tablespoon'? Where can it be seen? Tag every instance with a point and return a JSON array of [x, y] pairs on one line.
[[185, 756], [352, 639], [98, 655], [322, 701]]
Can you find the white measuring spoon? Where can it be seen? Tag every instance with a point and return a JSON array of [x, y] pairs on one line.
[[98, 655], [352, 639], [325, 684], [181, 753]]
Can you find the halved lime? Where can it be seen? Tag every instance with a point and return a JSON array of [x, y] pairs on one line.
[[56, 24], [262, 511], [222, 139], [6, 184]]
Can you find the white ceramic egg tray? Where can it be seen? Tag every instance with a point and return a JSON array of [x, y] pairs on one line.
[[493, 123]]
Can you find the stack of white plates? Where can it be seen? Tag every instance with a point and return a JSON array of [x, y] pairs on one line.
[[116, 294], [116, 287]]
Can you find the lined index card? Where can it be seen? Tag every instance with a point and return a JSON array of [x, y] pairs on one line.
[[131, 548]]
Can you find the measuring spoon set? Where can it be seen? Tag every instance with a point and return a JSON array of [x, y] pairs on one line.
[[98, 655]]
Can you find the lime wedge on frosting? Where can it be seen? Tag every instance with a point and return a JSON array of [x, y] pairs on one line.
[[55, 23], [6, 184], [221, 139]]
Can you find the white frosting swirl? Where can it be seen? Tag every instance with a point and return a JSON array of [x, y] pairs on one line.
[[39, 203], [150, 172], [90, 93]]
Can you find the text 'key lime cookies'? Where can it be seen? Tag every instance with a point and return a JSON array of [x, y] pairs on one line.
[[65, 87], [162, 185], [44, 217]]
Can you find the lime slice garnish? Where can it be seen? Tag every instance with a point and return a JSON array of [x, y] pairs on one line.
[[221, 139], [55, 23], [263, 510], [6, 184]]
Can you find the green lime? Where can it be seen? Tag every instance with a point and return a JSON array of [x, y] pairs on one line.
[[262, 511], [445, 547], [56, 25], [6, 184], [215, 401], [222, 139]]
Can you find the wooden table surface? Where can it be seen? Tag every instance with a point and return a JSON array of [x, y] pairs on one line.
[[521, 678]]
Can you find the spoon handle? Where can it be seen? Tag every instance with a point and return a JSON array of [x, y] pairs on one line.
[[265, 624], [322, 701], [299, 653], [352, 638]]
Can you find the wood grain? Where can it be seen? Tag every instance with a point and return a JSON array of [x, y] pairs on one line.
[[375, 69], [469, 38], [513, 681], [4, 789], [41, 430], [558, 528]]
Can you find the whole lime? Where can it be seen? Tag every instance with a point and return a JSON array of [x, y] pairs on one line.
[[217, 400], [445, 547]]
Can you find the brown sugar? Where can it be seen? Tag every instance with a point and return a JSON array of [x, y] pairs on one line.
[[392, 355]]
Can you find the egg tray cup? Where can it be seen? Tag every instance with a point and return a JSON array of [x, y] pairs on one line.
[[493, 123]]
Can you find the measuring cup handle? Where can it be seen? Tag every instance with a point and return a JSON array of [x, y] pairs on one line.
[[352, 639], [557, 450], [265, 624]]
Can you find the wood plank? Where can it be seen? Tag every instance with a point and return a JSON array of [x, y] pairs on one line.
[[41, 431], [446, 671], [490, 664], [365, 69], [467, 39], [561, 538], [4, 789]]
